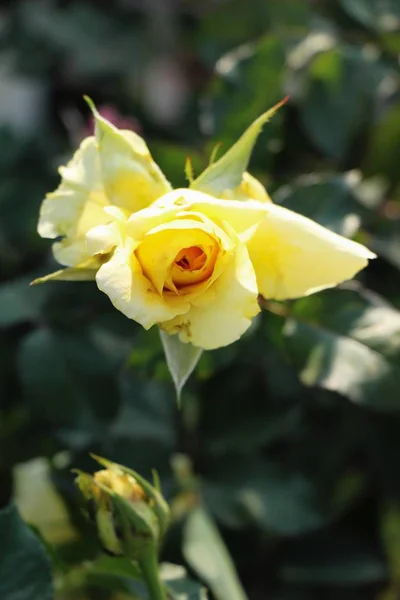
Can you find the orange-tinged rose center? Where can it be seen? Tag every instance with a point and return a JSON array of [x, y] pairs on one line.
[[191, 258], [192, 265], [178, 257]]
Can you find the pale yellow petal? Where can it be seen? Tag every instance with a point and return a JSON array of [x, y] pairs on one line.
[[294, 256], [103, 238], [81, 185], [239, 215], [229, 312], [70, 253], [132, 293], [131, 178], [76, 206], [249, 189]]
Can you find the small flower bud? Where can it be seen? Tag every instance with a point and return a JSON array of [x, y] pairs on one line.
[[130, 514]]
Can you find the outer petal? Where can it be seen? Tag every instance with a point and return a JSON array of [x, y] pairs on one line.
[[131, 178], [249, 189], [76, 206], [229, 315], [81, 184], [121, 278], [294, 256]]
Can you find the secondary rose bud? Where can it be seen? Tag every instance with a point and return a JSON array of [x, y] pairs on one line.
[[120, 483], [130, 514]]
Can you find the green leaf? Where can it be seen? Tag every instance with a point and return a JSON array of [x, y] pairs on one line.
[[143, 434], [181, 359], [333, 560], [384, 147], [179, 585], [348, 342], [206, 553], [265, 495], [330, 201], [147, 412], [390, 533], [121, 573], [226, 172], [69, 368], [70, 274], [386, 240], [19, 303], [248, 80], [116, 566], [24, 567], [378, 16], [339, 99]]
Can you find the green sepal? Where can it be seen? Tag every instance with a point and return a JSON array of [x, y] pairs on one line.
[[181, 360], [226, 173], [69, 274]]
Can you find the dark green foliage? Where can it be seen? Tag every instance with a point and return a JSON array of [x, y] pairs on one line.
[[25, 572], [293, 432]]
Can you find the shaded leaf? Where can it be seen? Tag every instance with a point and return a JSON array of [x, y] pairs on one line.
[[328, 200], [333, 560], [249, 79], [65, 378], [384, 146], [390, 532], [380, 16], [24, 567], [110, 565], [264, 495], [339, 99], [19, 303]]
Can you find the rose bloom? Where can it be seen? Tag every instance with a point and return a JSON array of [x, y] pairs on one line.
[[192, 261]]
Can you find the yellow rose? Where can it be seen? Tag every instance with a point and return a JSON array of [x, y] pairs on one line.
[[113, 169], [195, 265], [192, 261]]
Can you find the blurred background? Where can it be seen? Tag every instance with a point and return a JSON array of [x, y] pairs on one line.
[[291, 436]]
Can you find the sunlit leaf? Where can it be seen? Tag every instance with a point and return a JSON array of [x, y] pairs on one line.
[[207, 554], [349, 343]]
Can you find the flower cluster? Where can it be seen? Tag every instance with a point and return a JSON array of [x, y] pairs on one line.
[[193, 260]]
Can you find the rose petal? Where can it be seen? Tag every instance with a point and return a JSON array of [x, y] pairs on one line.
[[229, 314], [294, 256], [132, 293]]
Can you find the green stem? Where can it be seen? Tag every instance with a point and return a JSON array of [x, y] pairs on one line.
[[151, 576]]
